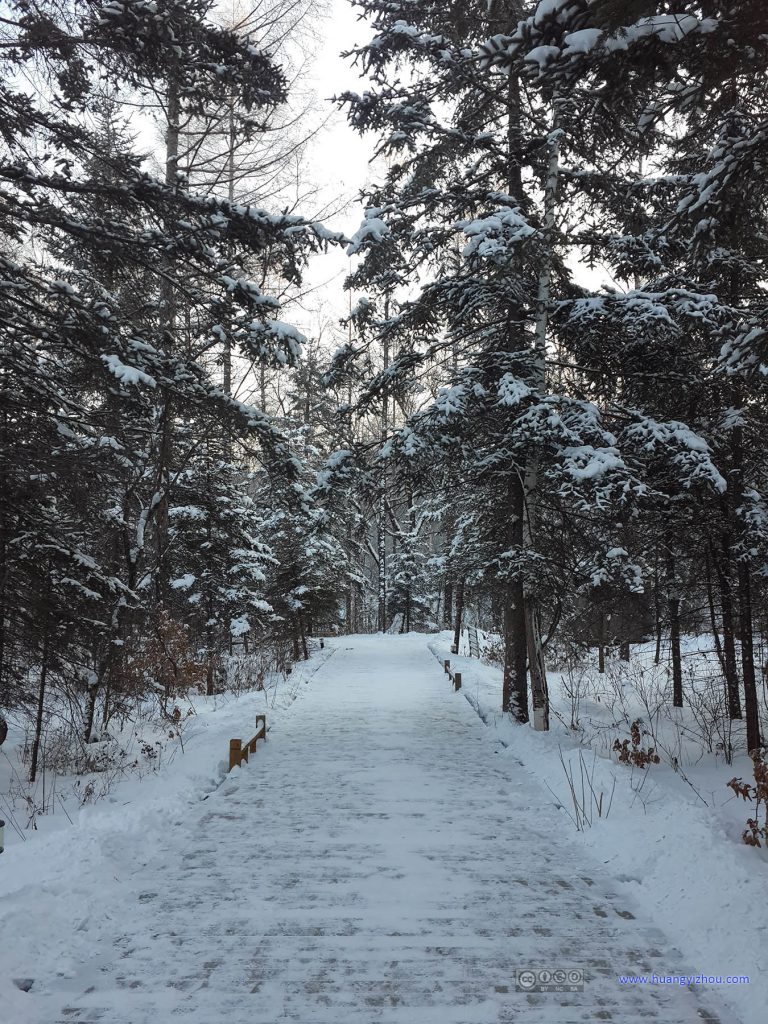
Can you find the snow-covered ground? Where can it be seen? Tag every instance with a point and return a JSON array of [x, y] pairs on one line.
[[146, 759], [383, 858], [670, 836]]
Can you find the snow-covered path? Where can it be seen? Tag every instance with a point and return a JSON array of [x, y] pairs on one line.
[[377, 861]]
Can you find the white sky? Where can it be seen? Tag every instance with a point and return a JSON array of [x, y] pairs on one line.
[[339, 157]]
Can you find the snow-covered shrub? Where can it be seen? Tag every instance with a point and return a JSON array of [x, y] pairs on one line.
[[576, 684], [704, 697], [493, 651], [243, 671]]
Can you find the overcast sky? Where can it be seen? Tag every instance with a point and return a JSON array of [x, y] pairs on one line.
[[339, 157]]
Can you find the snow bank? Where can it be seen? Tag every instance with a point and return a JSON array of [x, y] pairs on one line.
[[674, 854]]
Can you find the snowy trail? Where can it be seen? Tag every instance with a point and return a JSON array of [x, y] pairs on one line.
[[377, 861]]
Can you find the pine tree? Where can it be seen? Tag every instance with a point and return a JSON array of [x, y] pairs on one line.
[[108, 397]]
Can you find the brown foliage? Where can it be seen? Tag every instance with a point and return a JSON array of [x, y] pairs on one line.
[[635, 754], [755, 830], [162, 658]]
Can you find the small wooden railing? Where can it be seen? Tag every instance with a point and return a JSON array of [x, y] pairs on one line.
[[455, 677], [239, 752]]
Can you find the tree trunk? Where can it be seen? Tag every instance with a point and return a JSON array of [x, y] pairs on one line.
[[348, 609], [227, 353], [459, 617], [534, 648], [168, 325], [539, 689], [674, 640], [624, 650], [40, 709], [382, 538], [748, 657], [674, 632], [303, 637], [713, 616], [601, 644], [729, 640], [381, 553], [90, 714], [105, 713], [657, 617], [514, 696], [448, 605]]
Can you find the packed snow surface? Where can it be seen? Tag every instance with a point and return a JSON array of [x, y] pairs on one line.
[[382, 858]]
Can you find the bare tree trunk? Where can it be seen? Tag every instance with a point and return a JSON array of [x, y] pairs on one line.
[[40, 706], [105, 713], [657, 615], [90, 714], [744, 584], [729, 640], [748, 657], [303, 637], [713, 616], [673, 601], [381, 552], [227, 353], [382, 537], [448, 605], [514, 697], [601, 643], [539, 690], [168, 322], [459, 617], [534, 647]]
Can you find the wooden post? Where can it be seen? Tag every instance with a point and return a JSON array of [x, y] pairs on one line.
[[457, 680], [234, 753], [447, 666], [261, 727]]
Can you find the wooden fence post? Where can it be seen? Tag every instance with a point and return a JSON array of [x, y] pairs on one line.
[[447, 665], [457, 680], [239, 753]]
